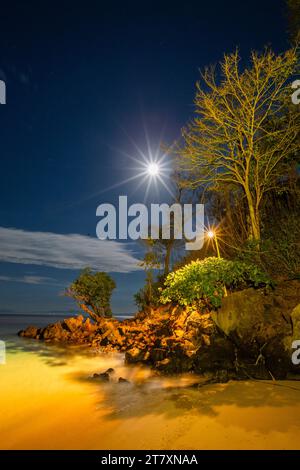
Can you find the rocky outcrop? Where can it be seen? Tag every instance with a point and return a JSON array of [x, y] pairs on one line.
[[257, 323], [179, 340], [76, 330], [30, 332], [249, 336]]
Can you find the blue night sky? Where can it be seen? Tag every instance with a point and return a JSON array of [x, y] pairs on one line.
[[84, 81]]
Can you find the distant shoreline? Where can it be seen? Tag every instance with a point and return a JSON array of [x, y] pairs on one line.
[[34, 314], [127, 315]]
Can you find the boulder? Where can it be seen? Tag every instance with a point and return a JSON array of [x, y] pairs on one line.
[[134, 355], [123, 381], [219, 354], [257, 325], [295, 319], [30, 332], [103, 377], [55, 332], [72, 324], [294, 336], [176, 361]]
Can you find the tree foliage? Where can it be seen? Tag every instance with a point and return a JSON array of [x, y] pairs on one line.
[[147, 295], [92, 292]]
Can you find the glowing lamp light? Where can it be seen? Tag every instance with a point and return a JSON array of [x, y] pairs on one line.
[[153, 169], [213, 236]]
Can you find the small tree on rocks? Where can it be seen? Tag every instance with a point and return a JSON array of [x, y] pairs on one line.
[[92, 292]]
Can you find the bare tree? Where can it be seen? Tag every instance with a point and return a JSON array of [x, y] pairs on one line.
[[244, 131]]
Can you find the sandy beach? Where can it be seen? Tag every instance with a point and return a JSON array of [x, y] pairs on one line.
[[48, 401]]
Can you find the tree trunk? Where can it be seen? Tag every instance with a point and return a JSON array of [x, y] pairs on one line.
[[90, 312], [168, 258], [254, 218]]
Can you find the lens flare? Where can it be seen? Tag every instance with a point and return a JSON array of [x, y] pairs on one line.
[[153, 169]]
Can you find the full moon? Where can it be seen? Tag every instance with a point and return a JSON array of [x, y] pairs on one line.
[[153, 169]]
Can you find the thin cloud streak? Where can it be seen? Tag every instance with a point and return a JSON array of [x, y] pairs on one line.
[[70, 251], [35, 280]]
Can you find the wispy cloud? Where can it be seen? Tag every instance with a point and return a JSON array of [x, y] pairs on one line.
[[31, 280], [71, 251]]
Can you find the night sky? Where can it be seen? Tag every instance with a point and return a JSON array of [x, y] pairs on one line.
[[86, 83]]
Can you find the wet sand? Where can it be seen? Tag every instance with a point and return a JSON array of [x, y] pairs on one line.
[[47, 401]]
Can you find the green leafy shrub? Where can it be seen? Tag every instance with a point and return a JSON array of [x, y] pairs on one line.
[[282, 246], [203, 281]]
